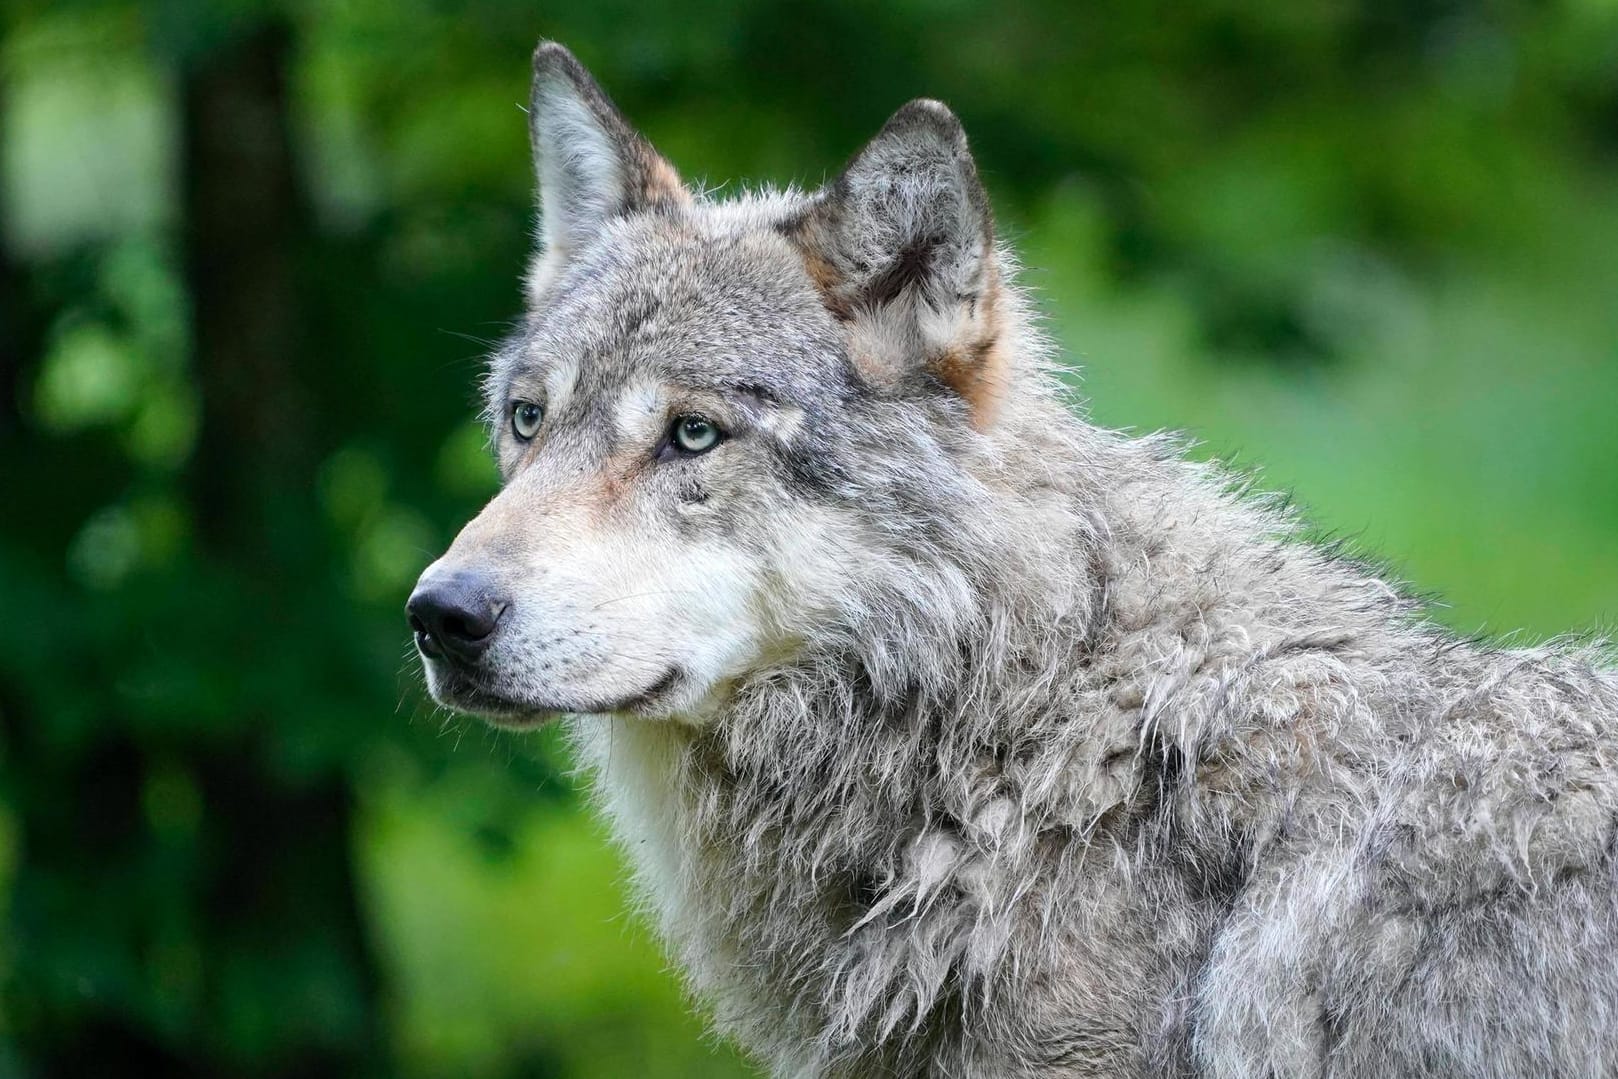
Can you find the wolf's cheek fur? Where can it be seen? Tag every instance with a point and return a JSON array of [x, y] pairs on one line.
[[625, 615]]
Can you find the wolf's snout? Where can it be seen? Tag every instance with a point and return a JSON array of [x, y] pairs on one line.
[[455, 615]]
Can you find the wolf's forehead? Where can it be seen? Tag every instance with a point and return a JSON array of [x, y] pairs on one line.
[[678, 306]]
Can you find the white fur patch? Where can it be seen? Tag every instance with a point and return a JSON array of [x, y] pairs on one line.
[[638, 410], [560, 380]]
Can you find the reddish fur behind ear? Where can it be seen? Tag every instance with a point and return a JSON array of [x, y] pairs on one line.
[[973, 362], [659, 183], [978, 371]]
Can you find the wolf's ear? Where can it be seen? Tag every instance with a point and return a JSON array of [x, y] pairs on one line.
[[591, 164], [901, 246]]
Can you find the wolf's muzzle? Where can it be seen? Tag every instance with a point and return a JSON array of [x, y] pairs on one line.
[[455, 615]]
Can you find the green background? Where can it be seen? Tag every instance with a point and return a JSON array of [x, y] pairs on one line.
[[251, 255]]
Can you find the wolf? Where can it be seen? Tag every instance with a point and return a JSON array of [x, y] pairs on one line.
[[949, 734]]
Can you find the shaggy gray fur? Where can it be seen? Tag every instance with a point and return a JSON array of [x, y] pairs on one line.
[[1081, 761]]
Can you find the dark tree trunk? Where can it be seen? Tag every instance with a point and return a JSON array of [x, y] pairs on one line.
[[282, 872], [244, 222], [231, 943]]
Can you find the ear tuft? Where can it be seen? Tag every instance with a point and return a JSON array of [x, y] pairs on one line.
[[553, 56], [901, 247], [592, 165], [929, 115]]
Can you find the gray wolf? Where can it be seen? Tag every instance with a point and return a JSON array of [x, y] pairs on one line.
[[952, 735]]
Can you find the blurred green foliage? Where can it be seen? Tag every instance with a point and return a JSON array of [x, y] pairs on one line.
[[250, 255]]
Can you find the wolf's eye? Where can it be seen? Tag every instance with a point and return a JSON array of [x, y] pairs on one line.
[[525, 419], [694, 434]]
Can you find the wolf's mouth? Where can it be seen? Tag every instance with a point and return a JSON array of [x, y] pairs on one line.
[[647, 696], [463, 691]]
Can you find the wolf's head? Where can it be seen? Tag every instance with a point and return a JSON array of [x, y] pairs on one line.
[[721, 422]]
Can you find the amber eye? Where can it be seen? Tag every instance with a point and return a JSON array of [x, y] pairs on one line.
[[695, 434], [526, 417]]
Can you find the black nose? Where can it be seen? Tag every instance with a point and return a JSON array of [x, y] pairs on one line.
[[455, 614]]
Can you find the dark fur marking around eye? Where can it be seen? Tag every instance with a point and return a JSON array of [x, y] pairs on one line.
[[759, 394]]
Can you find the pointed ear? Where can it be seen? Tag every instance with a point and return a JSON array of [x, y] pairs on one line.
[[592, 165], [901, 246]]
